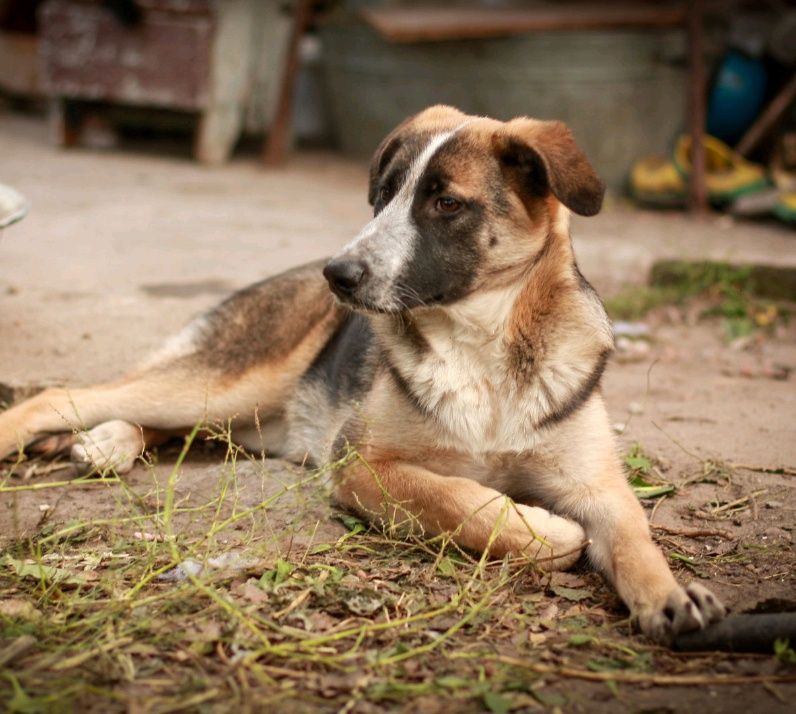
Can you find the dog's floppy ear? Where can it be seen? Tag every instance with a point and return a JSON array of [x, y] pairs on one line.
[[430, 121], [381, 159], [542, 156]]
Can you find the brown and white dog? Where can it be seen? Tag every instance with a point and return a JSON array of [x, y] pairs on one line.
[[462, 358]]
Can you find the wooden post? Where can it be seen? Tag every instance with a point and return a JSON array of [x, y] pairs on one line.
[[696, 107], [275, 153], [222, 118]]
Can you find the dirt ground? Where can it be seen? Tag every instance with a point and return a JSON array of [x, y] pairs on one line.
[[297, 609]]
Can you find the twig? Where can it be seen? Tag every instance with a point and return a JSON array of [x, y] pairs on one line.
[[675, 442], [300, 598], [692, 532], [576, 549], [58, 484], [737, 502], [676, 680], [82, 657], [781, 470], [655, 508]]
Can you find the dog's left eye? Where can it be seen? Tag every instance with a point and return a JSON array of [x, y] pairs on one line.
[[447, 204]]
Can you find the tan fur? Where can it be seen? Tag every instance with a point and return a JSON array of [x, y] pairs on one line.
[[492, 408]]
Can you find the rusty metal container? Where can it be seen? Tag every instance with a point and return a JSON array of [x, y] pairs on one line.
[[163, 61]]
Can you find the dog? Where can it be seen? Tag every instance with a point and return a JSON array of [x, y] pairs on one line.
[[453, 343]]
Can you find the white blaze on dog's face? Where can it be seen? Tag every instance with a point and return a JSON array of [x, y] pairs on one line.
[[460, 204]]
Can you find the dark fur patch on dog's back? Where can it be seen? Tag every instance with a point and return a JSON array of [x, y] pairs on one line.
[[250, 327]]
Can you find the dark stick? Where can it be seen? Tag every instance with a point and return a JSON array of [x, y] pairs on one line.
[[741, 633], [696, 107], [770, 116], [275, 153]]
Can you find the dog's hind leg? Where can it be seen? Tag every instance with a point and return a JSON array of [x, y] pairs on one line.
[[161, 400], [239, 362], [164, 398], [111, 445]]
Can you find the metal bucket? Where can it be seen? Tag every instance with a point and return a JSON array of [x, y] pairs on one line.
[[621, 92]]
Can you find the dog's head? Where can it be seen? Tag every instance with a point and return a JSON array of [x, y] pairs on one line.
[[460, 203]]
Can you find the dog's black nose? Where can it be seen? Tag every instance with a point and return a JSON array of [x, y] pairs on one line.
[[344, 275]]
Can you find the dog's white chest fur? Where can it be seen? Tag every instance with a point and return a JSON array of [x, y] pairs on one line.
[[474, 401], [468, 383], [463, 379]]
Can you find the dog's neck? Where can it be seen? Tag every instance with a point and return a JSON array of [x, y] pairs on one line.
[[536, 343]]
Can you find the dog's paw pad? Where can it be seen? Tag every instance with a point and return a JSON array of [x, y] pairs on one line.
[[112, 445], [685, 609]]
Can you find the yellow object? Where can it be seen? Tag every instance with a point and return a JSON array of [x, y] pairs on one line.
[[664, 182], [785, 207], [655, 181], [727, 174]]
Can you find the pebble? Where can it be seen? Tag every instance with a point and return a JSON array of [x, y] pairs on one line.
[[631, 329], [777, 534], [631, 350]]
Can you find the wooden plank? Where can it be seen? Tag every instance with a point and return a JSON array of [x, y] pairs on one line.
[[419, 24], [87, 54], [768, 118]]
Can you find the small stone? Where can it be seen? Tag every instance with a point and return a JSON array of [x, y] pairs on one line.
[[777, 534], [536, 638], [773, 504], [635, 408], [630, 329]]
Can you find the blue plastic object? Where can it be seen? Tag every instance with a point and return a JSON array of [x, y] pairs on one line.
[[737, 96]]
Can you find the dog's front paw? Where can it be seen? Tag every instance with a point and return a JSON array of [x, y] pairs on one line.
[[683, 610]]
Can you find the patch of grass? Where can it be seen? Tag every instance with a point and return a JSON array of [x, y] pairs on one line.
[[267, 612], [736, 294], [633, 303], [784, 652], [281, 612], [644, 476]]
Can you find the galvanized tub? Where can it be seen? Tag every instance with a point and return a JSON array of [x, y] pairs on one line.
[[621, 91]]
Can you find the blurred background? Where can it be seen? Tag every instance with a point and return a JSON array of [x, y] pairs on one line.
[[170, 151], [341, 74]]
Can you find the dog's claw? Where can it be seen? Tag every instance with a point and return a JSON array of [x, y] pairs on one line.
[[685, 609]]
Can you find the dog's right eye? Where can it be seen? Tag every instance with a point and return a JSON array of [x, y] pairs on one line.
[[385, 194], [448, 204]]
